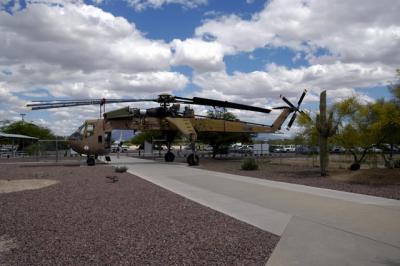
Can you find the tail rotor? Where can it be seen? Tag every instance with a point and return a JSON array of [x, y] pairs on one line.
[[293, 108]]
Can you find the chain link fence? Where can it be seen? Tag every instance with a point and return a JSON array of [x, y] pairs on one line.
[[53, 150]]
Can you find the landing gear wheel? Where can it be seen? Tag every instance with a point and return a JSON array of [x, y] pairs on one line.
[[193, 159], [90, 161], [169, 157]]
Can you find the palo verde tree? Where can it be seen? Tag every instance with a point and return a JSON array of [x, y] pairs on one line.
[[386, 127], [355, 130], [371, 124], [309, 134], [387, 124], [220, 141], [368, 125]]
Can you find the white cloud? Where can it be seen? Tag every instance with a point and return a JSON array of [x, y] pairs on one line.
[[10, 105], [140, 5], [78, 37], [35, 94], [200, 55], [260, 87], [79, 51], [352, 31], [95, 84], [263, 88], [344, 93], [349, 44], [59, 47]]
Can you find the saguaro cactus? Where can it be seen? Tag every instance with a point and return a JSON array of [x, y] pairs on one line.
[[326, 129]]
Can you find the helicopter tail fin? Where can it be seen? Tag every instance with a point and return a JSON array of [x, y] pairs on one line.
[[281, 119]]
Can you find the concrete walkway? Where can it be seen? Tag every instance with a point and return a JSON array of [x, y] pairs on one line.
[[317, 226]]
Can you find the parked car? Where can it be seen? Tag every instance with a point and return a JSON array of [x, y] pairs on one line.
[[277, 149], [123, 148], [246, 149], [387, 147], [376, 149], [289, 148], [338, 149]]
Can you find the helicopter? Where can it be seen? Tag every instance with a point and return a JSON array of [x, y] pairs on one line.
[[93, 137]]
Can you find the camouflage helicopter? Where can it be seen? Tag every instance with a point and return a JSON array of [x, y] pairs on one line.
[[93, 138]]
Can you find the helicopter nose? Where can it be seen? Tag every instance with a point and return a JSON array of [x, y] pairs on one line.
[[74, 143]]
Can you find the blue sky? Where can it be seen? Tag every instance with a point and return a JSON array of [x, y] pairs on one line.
[[248, 51]]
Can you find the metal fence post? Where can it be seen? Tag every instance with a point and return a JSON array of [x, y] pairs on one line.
[[56, 150], [13, 150]]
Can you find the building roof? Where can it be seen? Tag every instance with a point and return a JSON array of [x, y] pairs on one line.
[[15, 136]]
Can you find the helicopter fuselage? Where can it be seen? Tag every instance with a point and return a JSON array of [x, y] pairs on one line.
[[93, 138]]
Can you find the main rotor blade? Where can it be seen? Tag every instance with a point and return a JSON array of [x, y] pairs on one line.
[[67, 102], [62, 100], [226, 104], [71, 103], [301, 98], [281, 107], [55, 105], [291, 120]]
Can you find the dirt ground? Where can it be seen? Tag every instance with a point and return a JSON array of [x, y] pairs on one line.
[[8, 186], [376, 182], [85, 219]]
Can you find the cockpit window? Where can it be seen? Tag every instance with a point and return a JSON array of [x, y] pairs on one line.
[[81, 129], [89, 130], [77, 135]]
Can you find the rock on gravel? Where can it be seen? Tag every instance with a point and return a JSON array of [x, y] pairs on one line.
[[86, 220], [6, 244]]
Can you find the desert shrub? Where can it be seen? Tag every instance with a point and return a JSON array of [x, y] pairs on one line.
[[249, 164], [120, 169], [355, 167]]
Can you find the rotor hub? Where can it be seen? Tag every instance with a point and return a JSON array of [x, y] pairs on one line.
[[165, 99]]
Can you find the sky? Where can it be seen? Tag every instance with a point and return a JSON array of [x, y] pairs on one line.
[[247, 51]]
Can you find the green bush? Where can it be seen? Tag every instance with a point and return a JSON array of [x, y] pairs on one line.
[[120, 169], [249, 164], [355, 167]]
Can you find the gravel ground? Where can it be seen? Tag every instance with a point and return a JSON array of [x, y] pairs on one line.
[[303, 175], [85, 219]]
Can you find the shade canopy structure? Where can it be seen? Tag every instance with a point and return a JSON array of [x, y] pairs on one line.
[[22, 139], [15, 136]]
